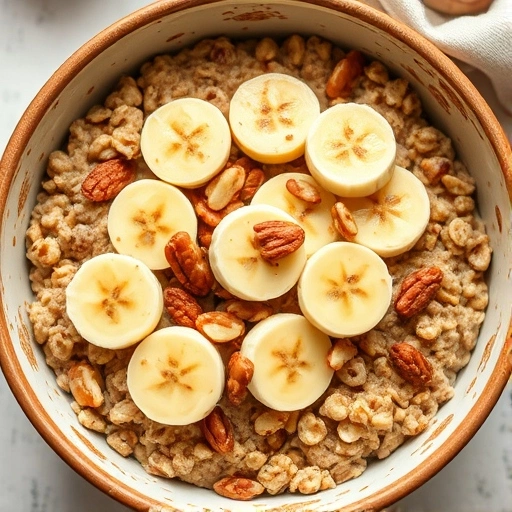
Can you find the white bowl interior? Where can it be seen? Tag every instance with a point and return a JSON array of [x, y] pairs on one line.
[[448, 111]]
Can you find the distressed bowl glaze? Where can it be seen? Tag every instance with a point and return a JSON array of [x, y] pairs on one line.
[[454, 106]]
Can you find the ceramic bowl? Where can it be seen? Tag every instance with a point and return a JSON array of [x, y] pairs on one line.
[[452, 103]]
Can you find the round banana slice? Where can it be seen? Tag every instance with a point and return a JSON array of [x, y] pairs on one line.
[[114, 301], [270, 116], [345, 289], [393, 219], [290, 361], [143, 217], [236, 260], [175, 376], [351, 150], [314, 219], [186, 142]]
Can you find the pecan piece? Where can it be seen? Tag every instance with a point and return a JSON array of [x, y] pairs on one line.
[[304, 190], [253, 181], [220, 326], [343, 75], [410, 364], [238, 488], [218, 431], [343, 221], [278, 238], [251, 311], [189, 264], [181, 306], [107, 179], [417, 290], [240, 370]]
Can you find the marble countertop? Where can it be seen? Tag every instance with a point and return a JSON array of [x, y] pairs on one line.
[[36, 36]]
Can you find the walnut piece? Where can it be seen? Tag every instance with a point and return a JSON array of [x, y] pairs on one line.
[[343, 75], [278, 238], [218, 431], [107, 179], [417, 290], [85, 384], [181, 306], [410, 364], [189, 264]]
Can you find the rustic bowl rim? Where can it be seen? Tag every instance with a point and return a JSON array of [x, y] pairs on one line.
[[50, 91]]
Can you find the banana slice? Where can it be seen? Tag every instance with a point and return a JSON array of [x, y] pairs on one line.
[[186, 142], [237, 263], [143, 217], [290, 361], [270, 116], [345, 289], [314, 219], [175, 376], [351, 150], [393, 219], [114, 300]]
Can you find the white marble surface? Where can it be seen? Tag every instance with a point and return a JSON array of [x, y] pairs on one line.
[[36, 36]]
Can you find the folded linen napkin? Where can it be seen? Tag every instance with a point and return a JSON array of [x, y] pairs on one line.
[[482, 40]]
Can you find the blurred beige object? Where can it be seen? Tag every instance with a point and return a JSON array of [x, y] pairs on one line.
[[458, 6]]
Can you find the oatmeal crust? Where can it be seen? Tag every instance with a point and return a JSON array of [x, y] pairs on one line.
[[370, 409]]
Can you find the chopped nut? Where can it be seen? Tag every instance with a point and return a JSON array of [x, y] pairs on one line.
[[220, 326], [343, 221], [410, 364], [224, 187], [218, 431], [304, 190], [181, 306], [238, 488], [189, 264], [417, 290], [277, 239], [240, 370], [342, 351], [266, 50], [85, 384], [295, 48], [434, 168], [107, 179], [248, 310], [456, 186], [270, 422], [343, 75]]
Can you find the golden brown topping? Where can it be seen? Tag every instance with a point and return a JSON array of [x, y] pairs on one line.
[[218, 431], [220, 326], [238, 488], [240, 371], [343, 75], [86, 384]]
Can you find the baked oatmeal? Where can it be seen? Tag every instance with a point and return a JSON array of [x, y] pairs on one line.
[[388, 382]]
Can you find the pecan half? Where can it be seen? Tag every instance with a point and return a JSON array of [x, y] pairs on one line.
[[343, 221], [218, 431], [189, 264], [417, 290], [410, 364], [181, 306], [253, 181], [240, 370], [238, 488], [343, 75], [304, 190], [107, 179], [220, 326], [278, 238]]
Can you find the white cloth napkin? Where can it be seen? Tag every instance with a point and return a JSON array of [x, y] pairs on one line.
[[481, 40]]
